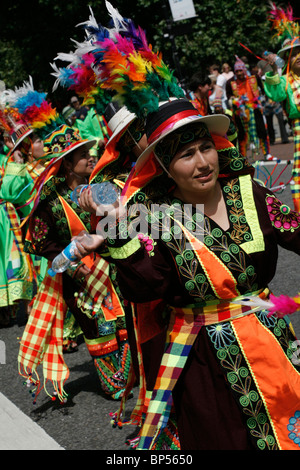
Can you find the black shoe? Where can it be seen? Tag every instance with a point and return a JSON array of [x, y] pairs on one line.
[[285, 142]]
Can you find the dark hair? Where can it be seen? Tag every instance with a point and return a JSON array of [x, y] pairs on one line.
[[215, 67], [199, 79]]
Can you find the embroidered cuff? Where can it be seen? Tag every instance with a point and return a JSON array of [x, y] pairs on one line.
[[16, 169], [126, 250], [272, 79]]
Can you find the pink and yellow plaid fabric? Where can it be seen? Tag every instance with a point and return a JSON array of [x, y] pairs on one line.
[[95, 290], [42, 340]]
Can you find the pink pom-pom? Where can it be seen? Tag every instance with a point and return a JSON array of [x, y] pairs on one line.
[[283, 305]]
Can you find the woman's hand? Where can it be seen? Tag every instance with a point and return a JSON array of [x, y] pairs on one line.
[[82, 272], [86, 202], [270, 58], [108, 213], [86, 244]]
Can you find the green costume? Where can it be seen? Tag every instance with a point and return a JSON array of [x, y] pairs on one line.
[[16, 275]]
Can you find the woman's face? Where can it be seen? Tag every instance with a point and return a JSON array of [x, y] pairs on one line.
[[295, 60], [195, 167], [82, 162], [37, 148]]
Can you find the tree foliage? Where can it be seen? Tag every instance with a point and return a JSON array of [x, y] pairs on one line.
[[34, 31]]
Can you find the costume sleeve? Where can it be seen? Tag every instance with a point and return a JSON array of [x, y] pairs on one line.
[[16, 184], [278, 221], [145, 270], [42, 237], [275, 87], [285, 223]]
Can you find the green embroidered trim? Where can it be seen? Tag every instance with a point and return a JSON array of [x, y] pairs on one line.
[[168, 439], [40, 230], [242, 384], [101, 340], [272, 79], [240, 229], [126, 250], [16, 169], [258, 243]]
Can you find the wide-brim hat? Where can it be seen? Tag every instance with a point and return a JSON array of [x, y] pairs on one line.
[[287, 45], [63, 141], [19, 134], [172, 115], [118, 119]]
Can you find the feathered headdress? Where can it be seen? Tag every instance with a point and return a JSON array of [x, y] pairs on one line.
[[80, 78], [283, 22], [126, 64], [12, 123], [285, 27], [34, 108], [59, 139], [79, 75]]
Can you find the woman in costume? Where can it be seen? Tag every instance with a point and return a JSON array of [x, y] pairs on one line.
[[285, 88], [244, 93], [208, 247], [212, 374], [19, 272], [55, 221], [126, 137]]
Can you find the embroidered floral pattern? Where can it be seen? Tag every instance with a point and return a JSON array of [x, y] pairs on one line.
[[194, 278], [240, 229], [40, 230], [281, 216], [221, 335], [294, 428], [239, 378], [242, 384]]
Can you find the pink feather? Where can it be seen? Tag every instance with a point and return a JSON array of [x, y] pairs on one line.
[[283, 305]]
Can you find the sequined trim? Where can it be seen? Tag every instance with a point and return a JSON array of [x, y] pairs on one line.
[[281, 216]]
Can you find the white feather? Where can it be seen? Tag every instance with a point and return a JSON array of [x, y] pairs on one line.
[[56, 74], [12, 96], [67, 57], [91, 21], [254, 302], [118, 19]]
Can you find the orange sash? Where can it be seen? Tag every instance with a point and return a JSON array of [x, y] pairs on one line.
[[275, 376], [219, 276], [112, 308]]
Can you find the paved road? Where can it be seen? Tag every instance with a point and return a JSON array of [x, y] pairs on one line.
[[83, 423]]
